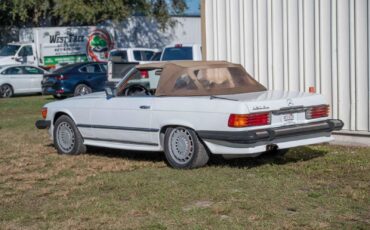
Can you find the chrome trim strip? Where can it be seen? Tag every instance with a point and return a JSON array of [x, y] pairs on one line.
[[120, 141]]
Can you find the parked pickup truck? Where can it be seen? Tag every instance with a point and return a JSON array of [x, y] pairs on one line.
[[126, 56]]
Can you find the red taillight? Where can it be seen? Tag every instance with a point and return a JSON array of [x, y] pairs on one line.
[[317, 112], [144, 74], [247, 120], [44, 112], [60, 77]]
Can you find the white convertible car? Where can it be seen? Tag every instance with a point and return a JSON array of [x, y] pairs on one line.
[[195, 110]]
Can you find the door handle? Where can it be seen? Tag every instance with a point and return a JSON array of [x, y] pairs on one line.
[[144, 107]]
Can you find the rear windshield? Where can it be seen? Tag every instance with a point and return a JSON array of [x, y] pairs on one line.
[[156, 56], [177, 53], [9, 50], [210, 81], [118, 55]]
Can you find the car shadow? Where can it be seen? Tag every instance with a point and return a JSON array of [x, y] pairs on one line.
[[126, 154], [292, 156]]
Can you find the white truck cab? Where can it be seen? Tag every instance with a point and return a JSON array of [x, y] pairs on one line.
[[18, 53]]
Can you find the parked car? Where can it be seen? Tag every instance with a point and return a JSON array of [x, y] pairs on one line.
[[182, 52], [197, 109], [75, 79], [20, 79]]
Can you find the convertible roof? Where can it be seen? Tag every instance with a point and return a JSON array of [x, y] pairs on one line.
[[202, 78]]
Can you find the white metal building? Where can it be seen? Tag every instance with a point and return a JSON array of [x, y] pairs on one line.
[[295, 44]]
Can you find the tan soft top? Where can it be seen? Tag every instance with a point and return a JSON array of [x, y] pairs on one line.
[[202, 78]]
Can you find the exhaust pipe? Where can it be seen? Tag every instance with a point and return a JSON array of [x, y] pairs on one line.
[[271, 147]]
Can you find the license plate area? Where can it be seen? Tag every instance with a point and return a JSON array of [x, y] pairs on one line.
[[289, 118]]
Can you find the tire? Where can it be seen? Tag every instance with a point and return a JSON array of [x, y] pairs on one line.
[[6, 91], [183, 149], [59, 97], [67, 138], [82, 89]]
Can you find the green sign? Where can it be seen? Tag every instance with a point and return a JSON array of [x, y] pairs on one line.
[[54, 60]]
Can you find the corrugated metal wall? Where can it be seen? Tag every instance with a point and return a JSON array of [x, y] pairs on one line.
[[295, 44]]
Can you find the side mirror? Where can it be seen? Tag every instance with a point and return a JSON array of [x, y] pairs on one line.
[[109, 92], [18, 59]]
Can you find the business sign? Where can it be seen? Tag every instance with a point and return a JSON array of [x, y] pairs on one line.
[[72, 44], [98, 45]]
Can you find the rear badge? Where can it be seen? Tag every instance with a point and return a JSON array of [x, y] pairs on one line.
[[290, 102], [260, 107]]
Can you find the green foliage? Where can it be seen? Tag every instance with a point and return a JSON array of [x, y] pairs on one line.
[[84, 12]]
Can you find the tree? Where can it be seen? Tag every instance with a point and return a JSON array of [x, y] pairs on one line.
[[32, 13]]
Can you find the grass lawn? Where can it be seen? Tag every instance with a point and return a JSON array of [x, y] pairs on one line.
[[316, 187]]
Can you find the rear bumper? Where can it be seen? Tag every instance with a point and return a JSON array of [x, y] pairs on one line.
[[253, 143], [50, 90], [262, 135], [43, 124]]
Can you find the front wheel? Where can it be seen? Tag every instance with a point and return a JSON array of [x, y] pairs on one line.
[[67, 138], [82, 89], [183, 149]]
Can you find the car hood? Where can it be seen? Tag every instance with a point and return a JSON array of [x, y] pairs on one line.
[[7, 60]]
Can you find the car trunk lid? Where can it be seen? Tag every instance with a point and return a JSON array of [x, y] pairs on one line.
[[287, 108]]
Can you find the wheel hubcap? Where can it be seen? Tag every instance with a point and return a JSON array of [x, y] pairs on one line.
[[65, 137], [6, 91], [84, 90], [181, 145]]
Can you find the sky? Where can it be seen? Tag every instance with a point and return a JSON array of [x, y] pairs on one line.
[[193, 7]]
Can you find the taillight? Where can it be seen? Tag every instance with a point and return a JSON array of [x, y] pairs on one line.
[[60, 77], [144, 74], [317, 111], [44, 112], [247, 120]]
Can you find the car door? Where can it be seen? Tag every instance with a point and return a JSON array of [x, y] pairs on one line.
[[15, 77], [26, 55], [123, 119], [35, 75], [95, 75]]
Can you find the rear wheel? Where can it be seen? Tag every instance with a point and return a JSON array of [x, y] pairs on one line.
[[82, 89], [67, 138], [183, 149], [6, 91]]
